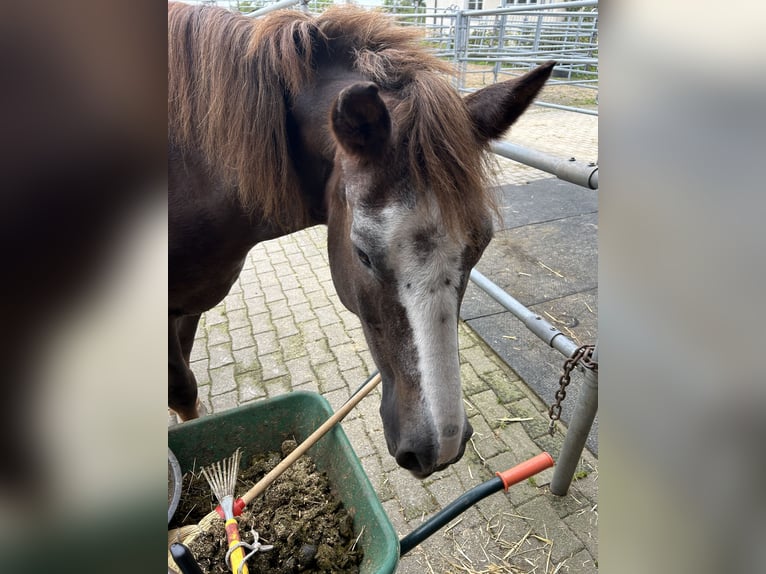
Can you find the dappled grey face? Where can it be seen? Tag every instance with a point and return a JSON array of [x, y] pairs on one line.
[[416, 274]]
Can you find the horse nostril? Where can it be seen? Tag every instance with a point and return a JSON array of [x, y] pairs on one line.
[[408, 460], [420, 466]]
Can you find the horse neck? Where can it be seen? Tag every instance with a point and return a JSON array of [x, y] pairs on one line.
[[311, 140]]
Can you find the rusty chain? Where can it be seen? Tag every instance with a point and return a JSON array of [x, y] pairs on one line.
[[581, 356]]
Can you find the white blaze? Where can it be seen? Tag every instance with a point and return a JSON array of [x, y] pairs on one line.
[[427, 284]]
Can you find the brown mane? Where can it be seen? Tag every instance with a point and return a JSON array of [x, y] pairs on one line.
[[230, 79]]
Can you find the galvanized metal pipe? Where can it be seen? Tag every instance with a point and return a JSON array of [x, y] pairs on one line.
[[571, 170], [587, 400], [568, 109], [534, 322], [532, 8], [272, 7], [577, 432]]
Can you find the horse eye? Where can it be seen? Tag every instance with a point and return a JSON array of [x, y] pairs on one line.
[[363, 257]]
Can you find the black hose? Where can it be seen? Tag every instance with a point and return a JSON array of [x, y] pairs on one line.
[[458, 506]]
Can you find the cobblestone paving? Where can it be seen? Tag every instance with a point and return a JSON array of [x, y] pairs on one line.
[[283, 328]]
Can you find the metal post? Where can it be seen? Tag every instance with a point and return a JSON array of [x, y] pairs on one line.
[[536, 44], [461, 45], [500, 43], [577, 433]]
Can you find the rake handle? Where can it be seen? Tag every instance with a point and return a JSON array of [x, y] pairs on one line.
[[238, 556], [301, 449]]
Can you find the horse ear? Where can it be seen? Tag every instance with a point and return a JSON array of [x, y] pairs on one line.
[[360, 120], [495, 108]]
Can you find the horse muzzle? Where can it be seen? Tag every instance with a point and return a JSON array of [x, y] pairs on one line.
[[422, 456]]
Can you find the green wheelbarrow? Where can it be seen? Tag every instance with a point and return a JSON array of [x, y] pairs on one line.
[[264, 425]]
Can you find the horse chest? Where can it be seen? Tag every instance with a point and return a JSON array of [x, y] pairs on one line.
[[207, 249]]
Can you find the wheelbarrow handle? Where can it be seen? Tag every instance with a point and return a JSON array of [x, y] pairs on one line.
[[184, 559], [502, 481], [524, 470]]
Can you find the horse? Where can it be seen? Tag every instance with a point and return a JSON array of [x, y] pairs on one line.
[[343, 119]]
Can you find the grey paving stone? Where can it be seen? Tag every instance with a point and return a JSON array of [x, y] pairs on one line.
[[416, 500], [225, 401], [471, 382], [580, 563], [368, 408], [204, 397], [310, 387], [238, 318], [310, 330], [479, 360], [277, 386], [241, 338], [255, 302], [268, 279], [272, 366], [319, 352], [584, 523], [490, 407], [266, 342], [203, 394], [524, 409], [543, 200], [395, 515], [545, 522], [273, 294], [291, 282], [336, 398], [247, 277], [570, 503], [484, 441], [220, 355], [329, 377], [218, 333], [215, 315], [357, 435], [249, 387], [222, 380], [285, 327], [280, 309], [446, 489], [326, 315], [235, 300], [506, 386], [347, 356], [300, 371], [376, 476], [294, 297]]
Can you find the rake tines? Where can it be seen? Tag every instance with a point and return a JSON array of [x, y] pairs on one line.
[[222, 478]]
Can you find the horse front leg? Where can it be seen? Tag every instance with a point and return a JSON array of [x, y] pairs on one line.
[[182, 386], [187, 329]]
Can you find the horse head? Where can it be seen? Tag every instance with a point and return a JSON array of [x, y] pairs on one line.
[[406, 223]]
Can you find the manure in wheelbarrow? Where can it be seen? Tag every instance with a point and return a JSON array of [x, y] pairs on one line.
[[298, 514]]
